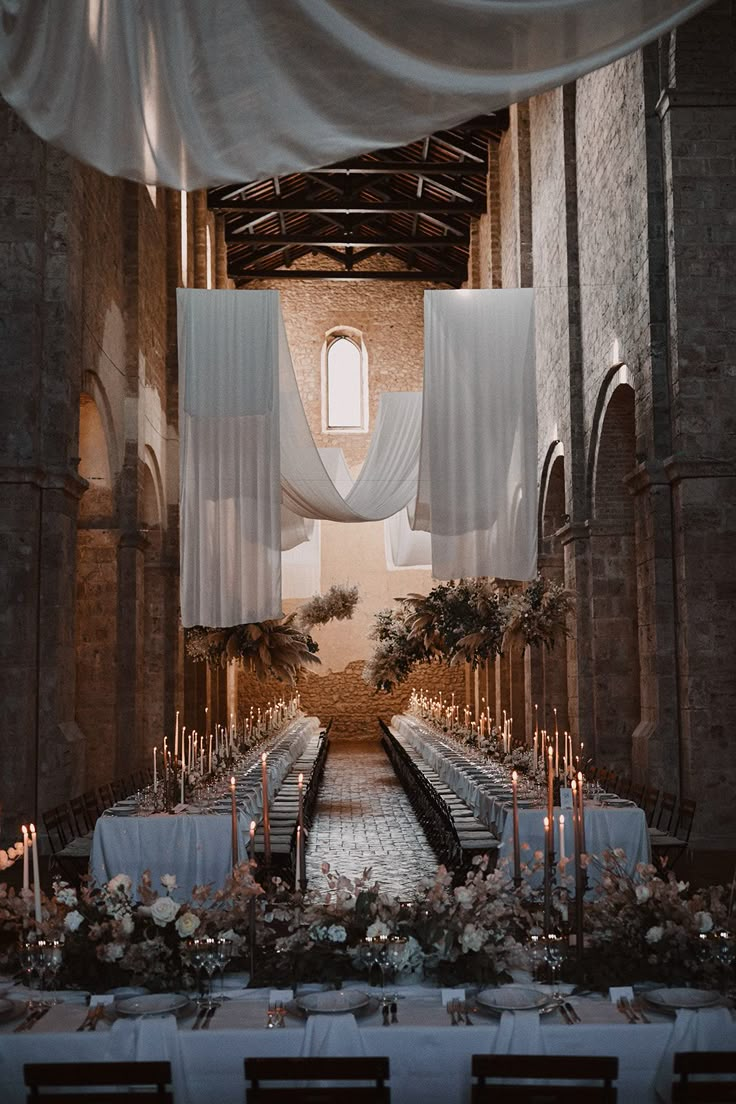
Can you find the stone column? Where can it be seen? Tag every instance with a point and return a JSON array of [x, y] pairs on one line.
[[575, 540]]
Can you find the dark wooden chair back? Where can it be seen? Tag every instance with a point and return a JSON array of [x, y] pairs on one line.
[[91, 807], [120, 788], [82, 821], [649, 803], [60, 1082], [344, 1071], [666, 815], [105, 795], [560, 1079], [685, 818], [709, 1067], [636, 794], [59, 825]]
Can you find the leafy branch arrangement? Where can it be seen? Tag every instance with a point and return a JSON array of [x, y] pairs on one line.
[[277, 648], [471, 620]]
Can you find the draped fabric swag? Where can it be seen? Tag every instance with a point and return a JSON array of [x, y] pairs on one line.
[[477, 492], [194, 93], [249, 463]]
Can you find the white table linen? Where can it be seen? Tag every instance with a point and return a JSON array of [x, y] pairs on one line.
[[430, 1062], [605, 827], [195, 846]]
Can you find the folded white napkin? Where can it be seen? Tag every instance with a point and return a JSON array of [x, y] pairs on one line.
[[693, 1029], [332, 1037], [157, 1039], [519, 1033], [280, 996]]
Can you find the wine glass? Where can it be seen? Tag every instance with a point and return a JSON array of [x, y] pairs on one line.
[[224, 950], [369, 953], [554, 954], [210, 961], [52, 956]]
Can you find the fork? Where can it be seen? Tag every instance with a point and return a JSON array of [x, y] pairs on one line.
[[625, 1010], [464, 1010], [452, 1008]]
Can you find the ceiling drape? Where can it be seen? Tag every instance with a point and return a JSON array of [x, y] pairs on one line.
[[194, 93]]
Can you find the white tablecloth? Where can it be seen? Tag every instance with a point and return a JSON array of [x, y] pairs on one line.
[[196, 847], [430, 1061], [605, 827]]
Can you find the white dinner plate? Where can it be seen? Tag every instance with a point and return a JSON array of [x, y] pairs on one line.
[[334, 1000], [683, 998], [513, 998], [152, 1004]]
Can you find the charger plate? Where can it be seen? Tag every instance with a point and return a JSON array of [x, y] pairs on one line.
[[674, 999], [513, 998], [332, 1001]]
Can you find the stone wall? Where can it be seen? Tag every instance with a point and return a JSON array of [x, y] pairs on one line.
[[346, 699]]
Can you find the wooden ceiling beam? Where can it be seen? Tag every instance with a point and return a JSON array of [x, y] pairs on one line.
[[293, 203], [410, 168], [456, 276], [383, 241]]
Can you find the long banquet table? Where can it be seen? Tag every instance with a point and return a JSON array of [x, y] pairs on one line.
[[606, 827], [429, 1063], [195, 844]]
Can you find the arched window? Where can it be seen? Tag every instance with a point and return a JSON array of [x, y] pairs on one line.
[[345, 383]]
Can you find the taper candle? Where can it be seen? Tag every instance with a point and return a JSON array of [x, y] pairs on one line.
[[300, 791], [36, 876], [547, 874], [298, 870], [155, 775], [550, 783], [26, 881], [517, 845], [562, 838], [176, 737], [581, 812], [234, 822], [252, 846], [266, 826]]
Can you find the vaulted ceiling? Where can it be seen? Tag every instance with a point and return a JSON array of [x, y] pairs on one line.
[[413, 203]]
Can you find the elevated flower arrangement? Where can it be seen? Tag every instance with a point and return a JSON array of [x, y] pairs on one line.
[[645, 927]]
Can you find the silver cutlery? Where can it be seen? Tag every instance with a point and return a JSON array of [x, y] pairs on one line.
[[572, 1012], [625, 1010], [468, 1020], [394, 1012], [639, 1009], [209, 1016], [34, 1015], [451, 1011], [201, 1013], [87, 1021]]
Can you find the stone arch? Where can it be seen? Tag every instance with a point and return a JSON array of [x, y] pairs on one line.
[[614, 607], [97, 582], [548, 669], [153, 502]]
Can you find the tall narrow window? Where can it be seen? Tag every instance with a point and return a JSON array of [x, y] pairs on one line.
[[344, 384]]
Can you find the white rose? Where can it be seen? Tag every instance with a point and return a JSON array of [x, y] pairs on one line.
[[464, 896], [163, 911], [187, 924], [376, 930], [472, 938], [72, 920], [126, 924], [336, 933], [121, 883], [113, 952], [704, 921], [168, 881], [654, 934], [643, 893]]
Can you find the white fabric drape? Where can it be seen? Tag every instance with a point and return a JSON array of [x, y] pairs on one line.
[[301, 566], [191, 93], [404, 547], [477, 491], [230, 504], [250, 471]]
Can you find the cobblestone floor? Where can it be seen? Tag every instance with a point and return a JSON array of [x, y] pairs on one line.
[[364, 818]]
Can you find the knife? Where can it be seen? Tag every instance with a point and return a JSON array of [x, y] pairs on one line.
[[572, 1012]]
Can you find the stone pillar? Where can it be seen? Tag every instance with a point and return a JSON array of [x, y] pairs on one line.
[[221, 276], [575, 540], [131, 653], [41, 750], [200, 239], [697, 113]]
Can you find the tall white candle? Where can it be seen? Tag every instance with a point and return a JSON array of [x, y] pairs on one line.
[[562, 837], [298, 871], [182, 783], [176, 737], [155, 775], [26, 881], [36, 877], [209, 764], [252, 854], [234, 822], [266, 826]]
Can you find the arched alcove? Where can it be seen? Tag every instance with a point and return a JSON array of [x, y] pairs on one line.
[[550, 678], [154, 608], [96, 590], [616, 673]]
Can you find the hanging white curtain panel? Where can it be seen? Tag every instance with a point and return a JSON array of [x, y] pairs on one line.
[[477, 490], [191, 93]]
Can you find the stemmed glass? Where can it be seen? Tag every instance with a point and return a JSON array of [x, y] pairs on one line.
[[52, 957], [194, 954], [554, 954], [370, 952], [224, 950], [210, 962]]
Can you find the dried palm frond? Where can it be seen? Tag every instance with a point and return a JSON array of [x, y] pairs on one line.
[[539, 614], [338, 604], [272, 649]]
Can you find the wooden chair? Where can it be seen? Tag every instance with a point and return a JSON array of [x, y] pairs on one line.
[[649, 803], [146, 1082], [561, 1079], [105, 795], [636, 794], [666, 815], [81, 816], [120, 788], [670, 845], [91, 807], [341, 1070], [69, 851], [707, 1066]]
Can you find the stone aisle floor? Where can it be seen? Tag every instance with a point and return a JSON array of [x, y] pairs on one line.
[[364, 818]]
